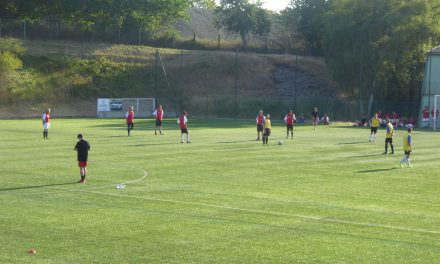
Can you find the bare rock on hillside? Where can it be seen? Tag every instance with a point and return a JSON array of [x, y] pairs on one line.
[[292, 82]]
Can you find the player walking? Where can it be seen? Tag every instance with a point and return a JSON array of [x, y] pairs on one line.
[[183, 123], [129, 116], [158, 113], [267, 129], [290, 118], [374, 124], [389, 137], [260, 124], [46, 123], [407, 148], [315, 117], [82, 147]]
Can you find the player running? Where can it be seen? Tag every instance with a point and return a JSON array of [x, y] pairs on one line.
[[46, 123], [129, 116], [389, 137], [407, 148], [290, 118], [260, 124], [158, 113], [183, 124], [315, 117], [374, 124], [82, 147]]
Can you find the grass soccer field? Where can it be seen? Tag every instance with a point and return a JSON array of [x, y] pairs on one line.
[[327, 196]]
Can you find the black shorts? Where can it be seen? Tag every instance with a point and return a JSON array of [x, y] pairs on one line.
[[407, 152], [130, 125], [260, 128], [267, 132], [184, 130], [158, 122], [389, 140], [289, 126], [374, 130]]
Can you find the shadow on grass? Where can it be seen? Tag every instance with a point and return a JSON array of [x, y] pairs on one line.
[[361, 156], [376, 170], [36, 186], [353, 143]]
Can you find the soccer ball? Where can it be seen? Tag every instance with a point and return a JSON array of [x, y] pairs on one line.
[[280, 142]]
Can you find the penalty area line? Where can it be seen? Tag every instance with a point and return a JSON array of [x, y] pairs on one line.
[[307, 217]]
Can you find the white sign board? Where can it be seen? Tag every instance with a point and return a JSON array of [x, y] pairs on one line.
[[103, 105]]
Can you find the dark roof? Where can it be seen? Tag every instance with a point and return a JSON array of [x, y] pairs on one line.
[[435, 51]]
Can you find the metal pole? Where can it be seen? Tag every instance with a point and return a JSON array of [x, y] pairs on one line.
[[58, 30], [24, 30], [429, 79], [157, 77], [360, 83], [296, 78], [181, 84], [236, 85]]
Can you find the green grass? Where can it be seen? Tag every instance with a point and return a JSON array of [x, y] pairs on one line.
[[324, 197]]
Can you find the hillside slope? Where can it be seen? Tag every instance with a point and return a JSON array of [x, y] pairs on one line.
[[73, 72]]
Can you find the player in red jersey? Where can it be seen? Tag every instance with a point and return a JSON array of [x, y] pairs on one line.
[[158, 113], [290, 119], [260, 124], [425, 117], [129, 116], [183, 124], [46, 123]]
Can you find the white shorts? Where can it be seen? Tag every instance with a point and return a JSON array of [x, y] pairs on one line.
[[425, 119], [46, 125]]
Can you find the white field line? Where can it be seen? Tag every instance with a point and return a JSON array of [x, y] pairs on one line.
[[307, 217], [314, 218]]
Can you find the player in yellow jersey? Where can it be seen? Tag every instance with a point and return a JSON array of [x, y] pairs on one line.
[[374, 124], [389, 137], [267, 128], [407, 147]]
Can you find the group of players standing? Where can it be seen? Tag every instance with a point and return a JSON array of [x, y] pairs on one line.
[[159, 114], [407, 139]]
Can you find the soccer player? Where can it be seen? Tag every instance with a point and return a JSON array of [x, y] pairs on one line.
[[267, 128], [407, 148], [46, 123], [158, 113], [315, 117], [183, 123], [374, 124], [260, 124], [82, 147], [129, 116], [290, 118], [434, 114], [389, 137], [425, 117]]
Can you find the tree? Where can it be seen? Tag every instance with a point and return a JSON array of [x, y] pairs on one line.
[[243, 18], [374, 46]]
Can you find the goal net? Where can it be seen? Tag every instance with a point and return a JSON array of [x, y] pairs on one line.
[[117, 107], [435, 113]]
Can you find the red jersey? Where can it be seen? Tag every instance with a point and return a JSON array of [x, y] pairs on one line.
[[182, 121], [129, 116], [46, 118], [260, 119], [379, 115], [158, 114], [289, 118], [395, 116], [425, 113], [388, 115]]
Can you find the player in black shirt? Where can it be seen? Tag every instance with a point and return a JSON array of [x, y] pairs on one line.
[[82, 147]]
